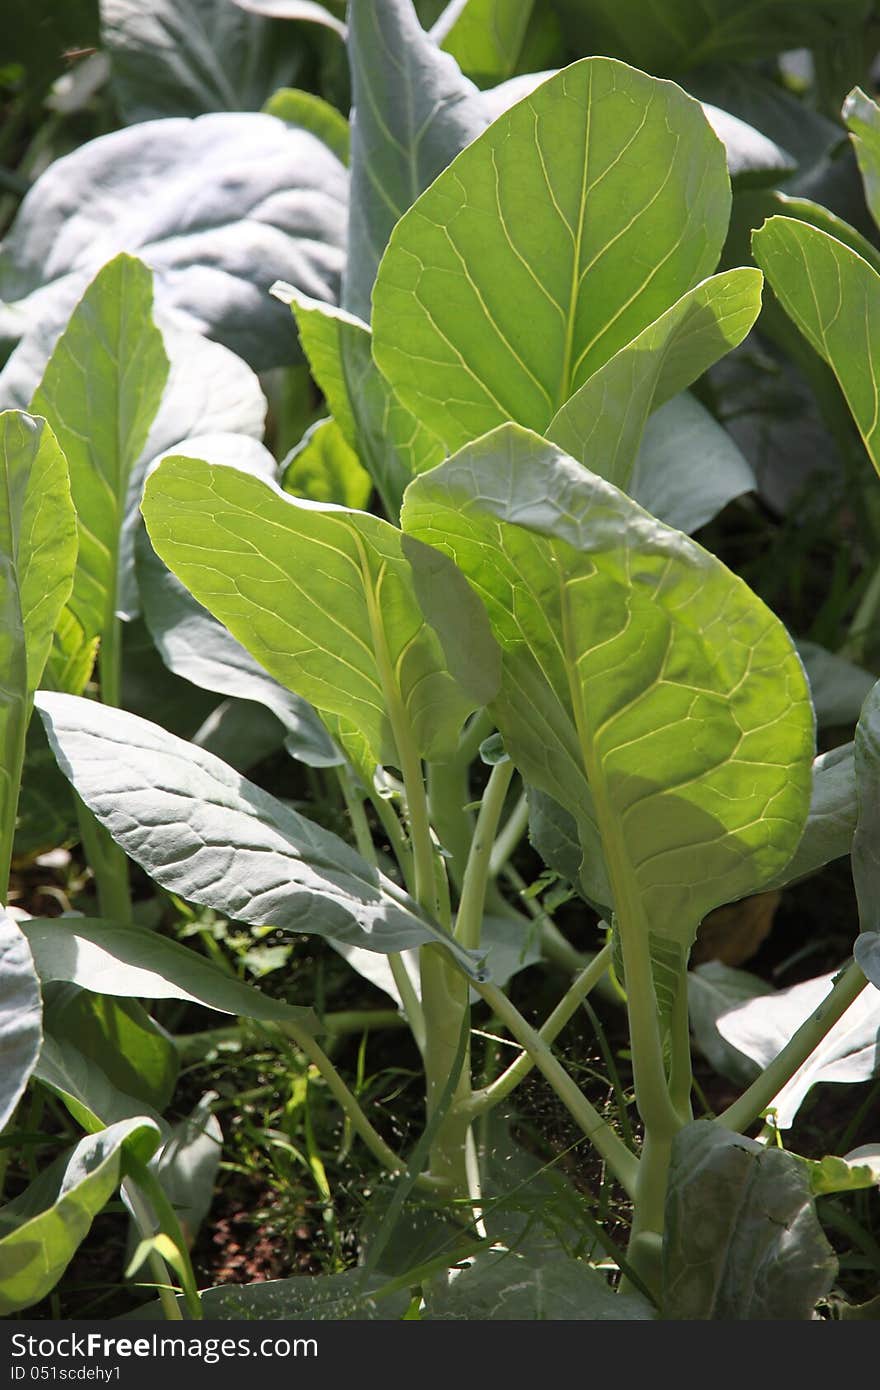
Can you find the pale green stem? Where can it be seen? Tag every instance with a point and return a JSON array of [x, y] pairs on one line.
[[680, 1069], [338, 1089], [645, 1247], [853, 648], [623, 1164], [363, 839], [193, 1047], [766, 1087], [109, 867], [396, 838], [501, 1087], [510, 836], [412, 1005], [165, 1288], [469, 921]]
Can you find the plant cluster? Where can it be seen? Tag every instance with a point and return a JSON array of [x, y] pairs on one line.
[[510, 324]]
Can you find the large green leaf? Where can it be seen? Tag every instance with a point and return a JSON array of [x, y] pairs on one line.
[[833, 295], [20, 1015], [413, 112], [602, 424], [100, 393], [673, 35], [39, 1235], [37, 559], [219, 206], [742, 1241], [581, 215], [644, 686], [203, 831], [134, 962], [184, 57], [323, 598]]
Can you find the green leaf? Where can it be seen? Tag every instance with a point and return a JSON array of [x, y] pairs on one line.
[[324, 468], [644, 687], [349, 1297], [849, 1052], [814, 276], [831, 822], [194, 645], [570, 225], [100, 392], [37, 559], [184, 57], [715, 989], [602, 424], [838, 687], [413, 112], [106, 1055], [204, 832], [688, 467], [352, 639], [134, 962], [188, 1163], [867, 954], [485, 37], [21, 1031], [219, 207], [311, 112], [550, 1287], [862, 116], [852, 1173], [865, 846], [308, 11], [392, 445], [674, 35], [742, 1240], [35, 1253]]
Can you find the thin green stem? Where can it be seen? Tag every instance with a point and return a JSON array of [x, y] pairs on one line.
[[338, 1089], [744, 1111], [12, 775], [165, 1288], [499, 1089], [645, 1247], [396, 837], [510, 836], [469, 921], [412, 1007], [623, 1164], [110, 659], [109, 866], [853, 648]]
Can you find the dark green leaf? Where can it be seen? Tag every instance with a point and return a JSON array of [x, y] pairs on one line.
[[742, 1240]]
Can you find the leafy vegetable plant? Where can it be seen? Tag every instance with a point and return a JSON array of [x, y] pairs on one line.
[[521, 637]]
